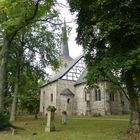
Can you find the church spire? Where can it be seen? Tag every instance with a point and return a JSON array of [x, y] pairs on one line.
[[64, 47]]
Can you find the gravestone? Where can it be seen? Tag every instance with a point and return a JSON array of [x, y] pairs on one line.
[[64, 117], [50, 119]]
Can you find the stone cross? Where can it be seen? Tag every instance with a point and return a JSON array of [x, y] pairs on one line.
[[50, 119]]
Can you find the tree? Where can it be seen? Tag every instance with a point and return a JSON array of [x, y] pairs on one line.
[[12, 20], [39, 43], [109, 32], [29, 99]]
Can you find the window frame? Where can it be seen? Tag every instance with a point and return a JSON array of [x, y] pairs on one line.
[[97, 94], [51, 98]]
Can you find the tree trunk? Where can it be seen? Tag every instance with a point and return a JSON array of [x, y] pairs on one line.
[[16, 89], [13, 108], [3, 70], [14, 102], [134, 103]]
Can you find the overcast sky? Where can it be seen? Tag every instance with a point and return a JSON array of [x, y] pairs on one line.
[[74, 49]]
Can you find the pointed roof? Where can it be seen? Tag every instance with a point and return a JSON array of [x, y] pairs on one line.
[[64, 47], [67, 92]]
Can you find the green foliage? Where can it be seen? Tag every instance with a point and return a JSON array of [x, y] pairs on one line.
[[30, 103], [109, 33], [111, 88], [13, 18], [28, 30], [4, 119], [51, 108], [64, 112], [26, 47], [29, 97], [96, 115], [32, 28]]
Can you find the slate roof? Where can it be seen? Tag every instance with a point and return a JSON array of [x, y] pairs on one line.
[[67, 92], [63, 71], [82, 78]]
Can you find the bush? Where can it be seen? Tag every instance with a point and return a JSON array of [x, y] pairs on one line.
[[64, 112], [96, 115], [51, 108], [4, 119]]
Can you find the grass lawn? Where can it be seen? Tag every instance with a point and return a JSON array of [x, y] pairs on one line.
[[78, 128]]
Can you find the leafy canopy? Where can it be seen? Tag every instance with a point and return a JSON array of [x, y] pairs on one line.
[[109, 31], [17, 13]]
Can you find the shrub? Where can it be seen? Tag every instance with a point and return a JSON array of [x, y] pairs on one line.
[[4, 119], [64, 112], [51, 108], [96, 115]]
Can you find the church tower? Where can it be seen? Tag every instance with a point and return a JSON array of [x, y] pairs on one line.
[[65, 58]]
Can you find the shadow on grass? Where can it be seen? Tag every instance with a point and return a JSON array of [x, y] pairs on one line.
[[10, 127]]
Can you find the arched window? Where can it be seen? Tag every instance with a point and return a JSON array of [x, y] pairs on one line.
[[51, 97], [43, 96], [111, 97], [43, 100], [68, 100], [97, 94], [87, 94]]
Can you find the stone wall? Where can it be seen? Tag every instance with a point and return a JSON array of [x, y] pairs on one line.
[[45, 99], [101, 107], [96, 107], [61, 101], [125, 104], [80, 102], [67, 106], [120, 105]]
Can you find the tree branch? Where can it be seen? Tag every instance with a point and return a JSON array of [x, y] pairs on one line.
[[27, 22], [119, 85]]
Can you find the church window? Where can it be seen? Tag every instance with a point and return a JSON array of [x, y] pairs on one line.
[[87, 94], [43, 100], [111, 97], [68, 100], [43, 94], [51, 97], [97, 94]]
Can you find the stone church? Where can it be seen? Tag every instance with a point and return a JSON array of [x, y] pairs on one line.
[[67, 90]]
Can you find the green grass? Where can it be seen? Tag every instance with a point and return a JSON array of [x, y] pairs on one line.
[[78, 128]]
